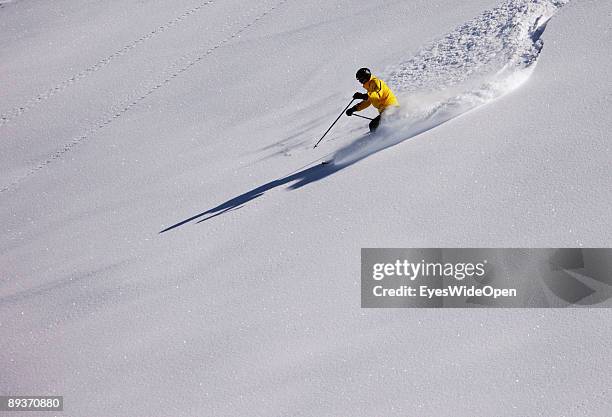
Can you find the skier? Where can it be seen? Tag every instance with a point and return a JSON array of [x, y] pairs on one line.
[[378, 94]]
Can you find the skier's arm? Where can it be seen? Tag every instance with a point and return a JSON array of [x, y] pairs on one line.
[[363, 105], [376, 90]]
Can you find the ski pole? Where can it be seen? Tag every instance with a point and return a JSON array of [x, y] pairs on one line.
[[332, 125], [363, 117]]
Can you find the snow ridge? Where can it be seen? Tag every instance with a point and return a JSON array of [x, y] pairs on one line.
[[483, 46], [476, 63]]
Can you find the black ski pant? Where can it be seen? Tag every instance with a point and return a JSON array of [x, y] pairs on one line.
[[374, 124]]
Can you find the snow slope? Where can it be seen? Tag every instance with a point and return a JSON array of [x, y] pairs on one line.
[[124, 119]]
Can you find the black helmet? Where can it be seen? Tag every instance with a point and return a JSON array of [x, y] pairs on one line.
[[363, 74]]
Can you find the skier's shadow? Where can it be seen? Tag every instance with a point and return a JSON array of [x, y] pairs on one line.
[[299, 179], [350, 154]]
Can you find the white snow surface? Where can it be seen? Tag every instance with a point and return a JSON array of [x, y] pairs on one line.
[[171, 246]]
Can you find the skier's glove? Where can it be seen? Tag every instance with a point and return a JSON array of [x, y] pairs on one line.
[[352, 110], [360, 96]]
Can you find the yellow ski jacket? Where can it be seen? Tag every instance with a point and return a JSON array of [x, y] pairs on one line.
[[379, 95]]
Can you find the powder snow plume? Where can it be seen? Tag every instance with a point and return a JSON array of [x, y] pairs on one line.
[[474, 64]]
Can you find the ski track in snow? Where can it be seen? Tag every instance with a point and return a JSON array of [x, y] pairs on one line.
[[474, 64], [29, 104], [170, 73]]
